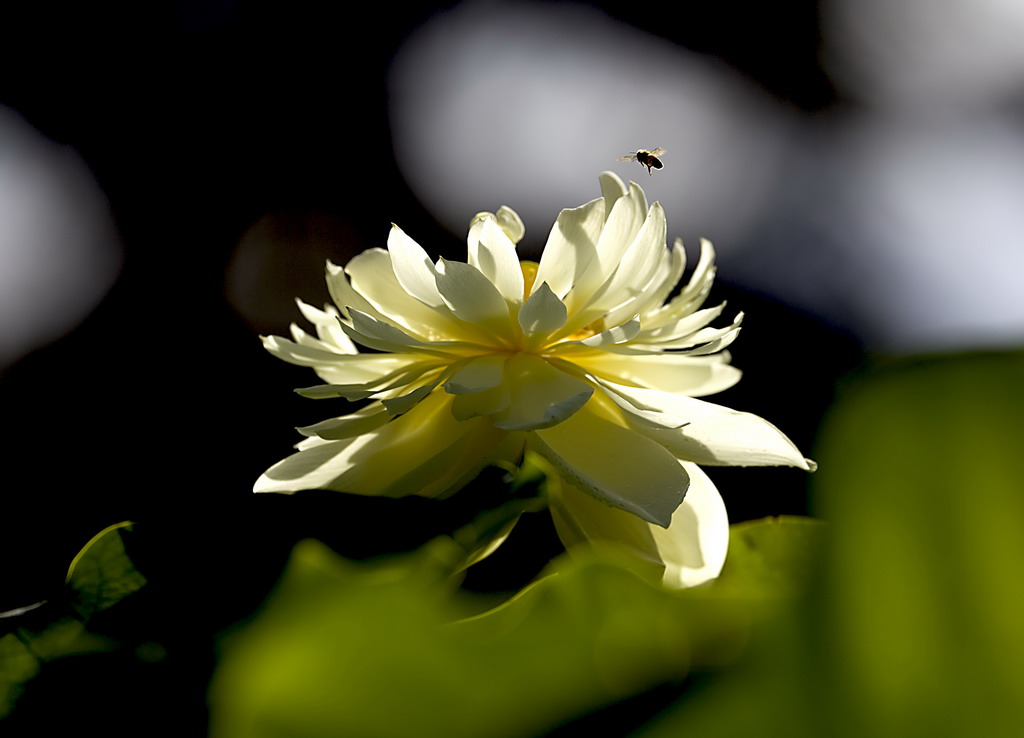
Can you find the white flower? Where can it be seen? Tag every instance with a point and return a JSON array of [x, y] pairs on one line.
[[585, 359]]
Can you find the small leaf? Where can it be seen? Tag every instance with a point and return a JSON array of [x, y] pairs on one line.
[[102, 574]]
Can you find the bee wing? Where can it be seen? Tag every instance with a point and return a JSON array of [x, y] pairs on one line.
[[657, 152], [628, 157]]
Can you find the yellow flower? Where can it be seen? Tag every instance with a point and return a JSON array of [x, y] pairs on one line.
[[585, 359]]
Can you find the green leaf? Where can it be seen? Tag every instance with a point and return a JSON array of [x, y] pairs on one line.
[[346, 649], [101, 574], [773, 557], [23, 652], [913, 626]]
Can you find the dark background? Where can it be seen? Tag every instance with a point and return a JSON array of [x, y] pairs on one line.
[[197, 120]]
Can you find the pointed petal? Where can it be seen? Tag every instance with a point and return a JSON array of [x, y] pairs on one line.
[[543, 313], [617, 466], [472, 297], [373, 277], [413, 268], [363, 420], [571, 247], [328, 329], [715, 435], [493, 252], [612, 188], [423, 452]]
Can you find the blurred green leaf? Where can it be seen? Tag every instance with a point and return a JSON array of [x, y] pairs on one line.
[[101, 574], [24, 651], [915, 625], [923, 472], [347, 649], [773, 557]]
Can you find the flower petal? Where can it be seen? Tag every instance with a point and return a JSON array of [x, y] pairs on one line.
[[423, 452], [541, 395], [472, 297], [689, 552], [543, 313], [714, 435], [413, 268], [363, 420], [373, 277], [328, 329], [571, 247], [493, 252], [616, 465], [680, 374], [478, 374]]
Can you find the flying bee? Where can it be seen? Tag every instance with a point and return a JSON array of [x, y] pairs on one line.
[[646, 158]]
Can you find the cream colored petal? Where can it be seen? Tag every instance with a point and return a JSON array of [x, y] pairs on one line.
[[640, 262], [478, 374], [472, 297], [343, 293], [511, 223], [328, 329], [715, 435], [618, 334], [541, 395], [363, 420], [373, 276], [493, 253], [484, 402], [617, 235], [423, 452], [303, 354], [377, 334], [689, 552], [612, 188], [618, 466], [687, 375], [692, 296], [683, 327], [397, 405], [543, 313], [413, 268], [571, 247]]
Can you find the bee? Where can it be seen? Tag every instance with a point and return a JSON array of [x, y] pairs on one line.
[[646, 158]]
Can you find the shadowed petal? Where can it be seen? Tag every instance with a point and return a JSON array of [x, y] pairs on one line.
[[689, 552], [618, 466]]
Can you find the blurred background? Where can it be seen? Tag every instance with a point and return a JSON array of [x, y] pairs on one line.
[[174, 174]]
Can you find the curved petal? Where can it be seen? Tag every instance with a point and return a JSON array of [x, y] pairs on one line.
[[679, 374], [493, 252], [424, 452], [363, 420], [617, 235], [615, 465], [413, 268], [373, 278], [472, 297], [689, 552], [714, 435], [541, 395], [543, 313], [328, 329], [476, 375], [571, 247]]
